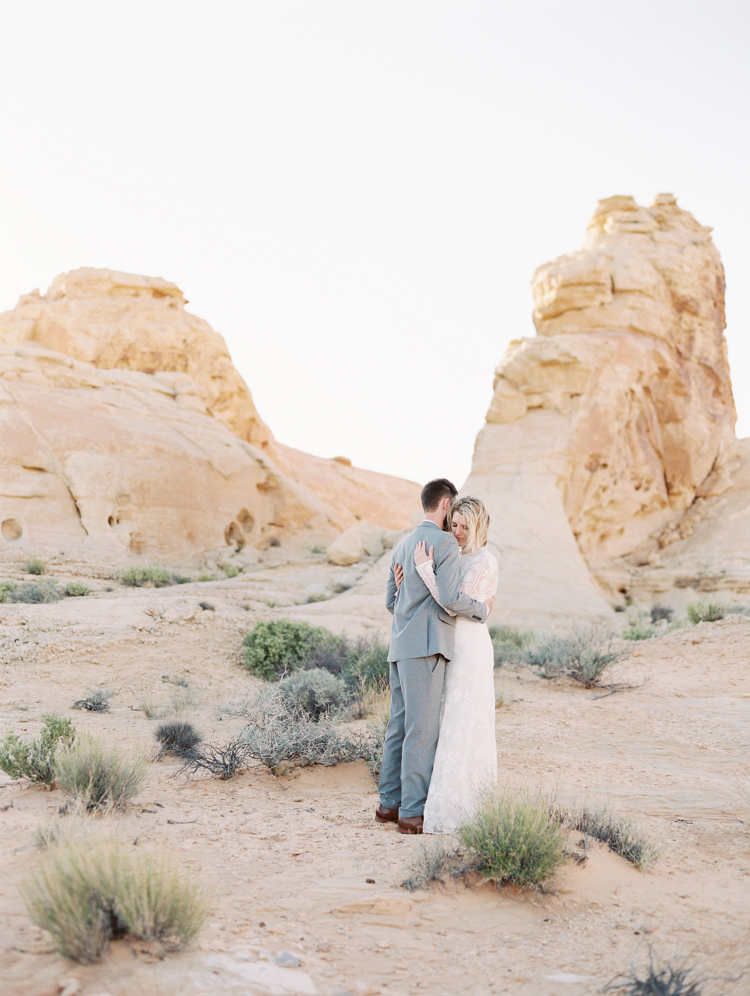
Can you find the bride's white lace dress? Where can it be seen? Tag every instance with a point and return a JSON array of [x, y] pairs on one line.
[[466, 756]]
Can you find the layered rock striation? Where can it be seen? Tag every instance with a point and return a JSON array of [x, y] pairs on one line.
[[605, 428], [125, 426], [122, 321]]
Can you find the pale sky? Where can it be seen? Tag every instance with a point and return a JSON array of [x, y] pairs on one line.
[[356, 194]]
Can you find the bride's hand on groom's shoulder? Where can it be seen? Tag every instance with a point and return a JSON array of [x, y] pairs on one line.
[[420, 553], [398, 575]]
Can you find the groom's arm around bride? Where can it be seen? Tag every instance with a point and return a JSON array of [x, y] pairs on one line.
[[421, 643]]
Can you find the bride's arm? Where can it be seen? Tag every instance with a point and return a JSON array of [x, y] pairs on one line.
[[426, 570]]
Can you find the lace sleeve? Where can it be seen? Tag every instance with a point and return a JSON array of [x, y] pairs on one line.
[[480, 580], [427, 573]]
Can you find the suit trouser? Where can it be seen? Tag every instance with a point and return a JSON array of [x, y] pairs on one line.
[[412, 734]]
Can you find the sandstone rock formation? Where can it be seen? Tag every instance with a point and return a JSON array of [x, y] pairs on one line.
[[196, 418], [120, 460], [604, 429], [125, 321]]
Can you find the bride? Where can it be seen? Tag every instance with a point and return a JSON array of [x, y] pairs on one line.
[[466, 757]]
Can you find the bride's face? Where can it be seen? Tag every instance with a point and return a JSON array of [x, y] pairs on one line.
[[460, 529]]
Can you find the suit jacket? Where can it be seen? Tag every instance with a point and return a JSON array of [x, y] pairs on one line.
[[420, 626]]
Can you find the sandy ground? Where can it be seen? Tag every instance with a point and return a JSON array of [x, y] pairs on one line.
[[297, 864]]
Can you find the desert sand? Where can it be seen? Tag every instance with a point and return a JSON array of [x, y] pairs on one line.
[[613, 476], [296, 864]]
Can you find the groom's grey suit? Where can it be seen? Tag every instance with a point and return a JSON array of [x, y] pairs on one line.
[[421, 643]]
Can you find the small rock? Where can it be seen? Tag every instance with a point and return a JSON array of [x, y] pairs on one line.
[[287, 960], [384, 944], [363, 989], [273, 929], [69, 986], [324, 946]]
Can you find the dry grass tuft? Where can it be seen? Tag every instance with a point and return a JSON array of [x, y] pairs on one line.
[[432, 864], [706, 612], [87, 894], [620, 833], [99, 776]]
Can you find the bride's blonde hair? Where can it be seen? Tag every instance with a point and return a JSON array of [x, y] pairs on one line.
[[477, 517]]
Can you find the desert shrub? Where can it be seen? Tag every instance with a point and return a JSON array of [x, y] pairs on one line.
[[514, 837], [230, 570], [87, 894], [366, 664], [583, 656], [177, 737], [96, 701], [315, 693], [659, 612], [376, 731], [507, 644], [76, 589], [432, 863], [275, 647], [35, 759], [638, 630], [152, 576], [657, 981], [705, 612], [35, 566], [282, 741], [99, 776], [622, 836], [223, 761], [320, 596], [43, 591], [206, 577]]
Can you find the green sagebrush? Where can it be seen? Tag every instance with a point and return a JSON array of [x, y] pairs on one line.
[[513, 837], [35, 759]]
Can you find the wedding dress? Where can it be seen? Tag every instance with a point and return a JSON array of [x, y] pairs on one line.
[[466, 757]]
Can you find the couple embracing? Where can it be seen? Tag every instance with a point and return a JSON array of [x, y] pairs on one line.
[[440, 755]]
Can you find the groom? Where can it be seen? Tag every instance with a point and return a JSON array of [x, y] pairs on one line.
[[421, 643]]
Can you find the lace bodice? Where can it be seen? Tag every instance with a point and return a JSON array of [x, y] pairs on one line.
[[478, 572]]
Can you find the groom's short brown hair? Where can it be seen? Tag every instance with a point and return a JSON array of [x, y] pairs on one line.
[[434, 491]]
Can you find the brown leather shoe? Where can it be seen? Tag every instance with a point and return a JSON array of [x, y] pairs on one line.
[[410, 824], [383, 815]]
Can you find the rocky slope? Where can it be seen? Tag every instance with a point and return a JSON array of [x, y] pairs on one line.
[[127, 428]]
